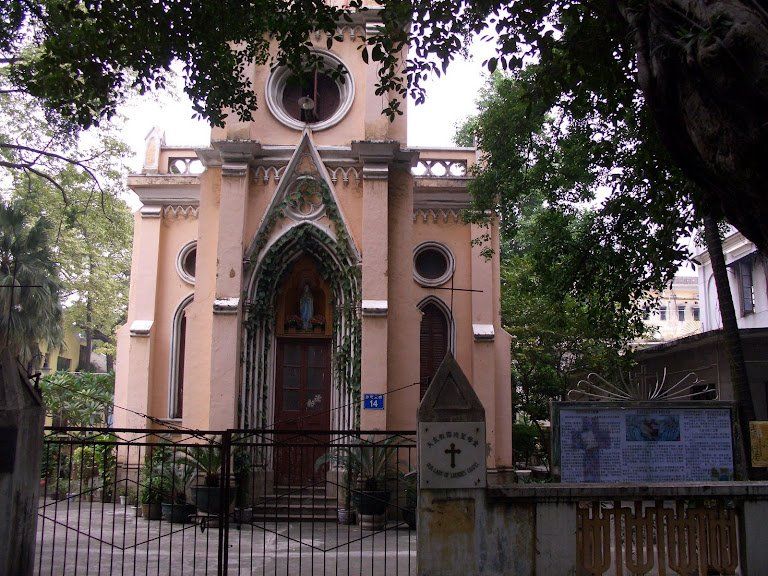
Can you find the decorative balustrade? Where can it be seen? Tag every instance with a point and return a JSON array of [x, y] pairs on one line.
[[440, 168], [185, 165]]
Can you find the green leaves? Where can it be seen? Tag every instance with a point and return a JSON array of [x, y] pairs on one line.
[[31, 292], [83, 399]]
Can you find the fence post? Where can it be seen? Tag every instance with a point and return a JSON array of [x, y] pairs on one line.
[[452, 475], [224, 488], [21, 437]]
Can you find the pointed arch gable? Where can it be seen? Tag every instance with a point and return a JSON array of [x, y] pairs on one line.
[[306, 147]]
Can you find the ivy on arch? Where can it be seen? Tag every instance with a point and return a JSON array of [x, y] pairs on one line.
[[338, 265]]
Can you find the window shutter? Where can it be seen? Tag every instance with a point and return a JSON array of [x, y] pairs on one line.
[[433, 344]]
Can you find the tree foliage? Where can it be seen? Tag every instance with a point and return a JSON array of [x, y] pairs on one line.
[[591, 221], [92, 246], [696, 68], [91, 224], [30, 290], [73, 399]]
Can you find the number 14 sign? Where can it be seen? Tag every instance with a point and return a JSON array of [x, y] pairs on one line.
[[373, 401]]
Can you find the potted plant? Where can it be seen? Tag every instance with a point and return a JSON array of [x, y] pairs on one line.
[[205, 460], [366, 467], [176, 474], [153, 492]]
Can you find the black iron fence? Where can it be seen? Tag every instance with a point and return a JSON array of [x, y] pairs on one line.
[[134, 501]]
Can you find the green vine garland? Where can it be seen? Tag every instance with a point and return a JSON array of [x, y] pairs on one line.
[[342, 273]]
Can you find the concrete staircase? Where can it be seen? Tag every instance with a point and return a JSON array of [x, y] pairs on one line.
[[295, 504]]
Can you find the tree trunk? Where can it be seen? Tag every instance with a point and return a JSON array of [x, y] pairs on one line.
[[742, 393], [88, 366]]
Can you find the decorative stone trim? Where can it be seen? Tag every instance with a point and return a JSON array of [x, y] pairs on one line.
[[440, 168], [435, 216], [185, 250], [234, 170], [151, 211], [141, 328], [483, 332], [374, 307], [185, 165], [226, 305], [276, 84], [265, 172], [375, 171], [180, 211], [344, 172], [450, 268]]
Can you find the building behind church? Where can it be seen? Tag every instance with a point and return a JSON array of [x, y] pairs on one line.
[[306, 259]]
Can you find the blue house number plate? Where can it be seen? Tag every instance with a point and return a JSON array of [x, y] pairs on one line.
[[373, 401]]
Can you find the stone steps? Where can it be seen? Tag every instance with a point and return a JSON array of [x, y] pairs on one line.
[[295, 504]]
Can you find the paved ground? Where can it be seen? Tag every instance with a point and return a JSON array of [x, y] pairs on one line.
[[82, 538]]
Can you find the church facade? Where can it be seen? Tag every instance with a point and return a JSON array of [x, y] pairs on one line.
[[305, 260]]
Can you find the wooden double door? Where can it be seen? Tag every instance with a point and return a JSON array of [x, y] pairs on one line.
[[302, 409]]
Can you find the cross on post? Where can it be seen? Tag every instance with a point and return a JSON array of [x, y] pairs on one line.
[[453, 451]]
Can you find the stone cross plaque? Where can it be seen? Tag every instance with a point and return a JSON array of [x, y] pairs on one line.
[[452, 447], [452, 454]]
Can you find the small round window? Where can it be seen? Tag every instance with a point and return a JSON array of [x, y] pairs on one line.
[[186, 263], [433, 264]]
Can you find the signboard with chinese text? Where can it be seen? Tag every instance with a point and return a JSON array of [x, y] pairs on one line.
[[612, 442]]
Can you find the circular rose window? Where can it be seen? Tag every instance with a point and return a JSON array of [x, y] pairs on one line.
[[433, 264], [317, 99]]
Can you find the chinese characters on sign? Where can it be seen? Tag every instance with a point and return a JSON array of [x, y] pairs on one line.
[[452, 454], [656, 444]]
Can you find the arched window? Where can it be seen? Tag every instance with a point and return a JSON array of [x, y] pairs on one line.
[[178, 354], [434, 341]]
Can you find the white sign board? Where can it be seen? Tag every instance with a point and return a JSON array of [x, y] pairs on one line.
[[452, 455], [645, 444]]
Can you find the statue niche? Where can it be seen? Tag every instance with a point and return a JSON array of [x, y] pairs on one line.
[[303, 307]]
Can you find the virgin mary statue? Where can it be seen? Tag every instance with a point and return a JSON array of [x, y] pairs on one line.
[[306, 307]]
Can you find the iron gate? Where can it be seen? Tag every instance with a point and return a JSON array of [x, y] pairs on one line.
[[153, 502]]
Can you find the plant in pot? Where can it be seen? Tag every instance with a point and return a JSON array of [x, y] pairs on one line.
[[367, 466], [153, 491], [205, 460], [178, 475]]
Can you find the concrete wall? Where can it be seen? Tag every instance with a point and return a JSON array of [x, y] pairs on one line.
[[527, 530]]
